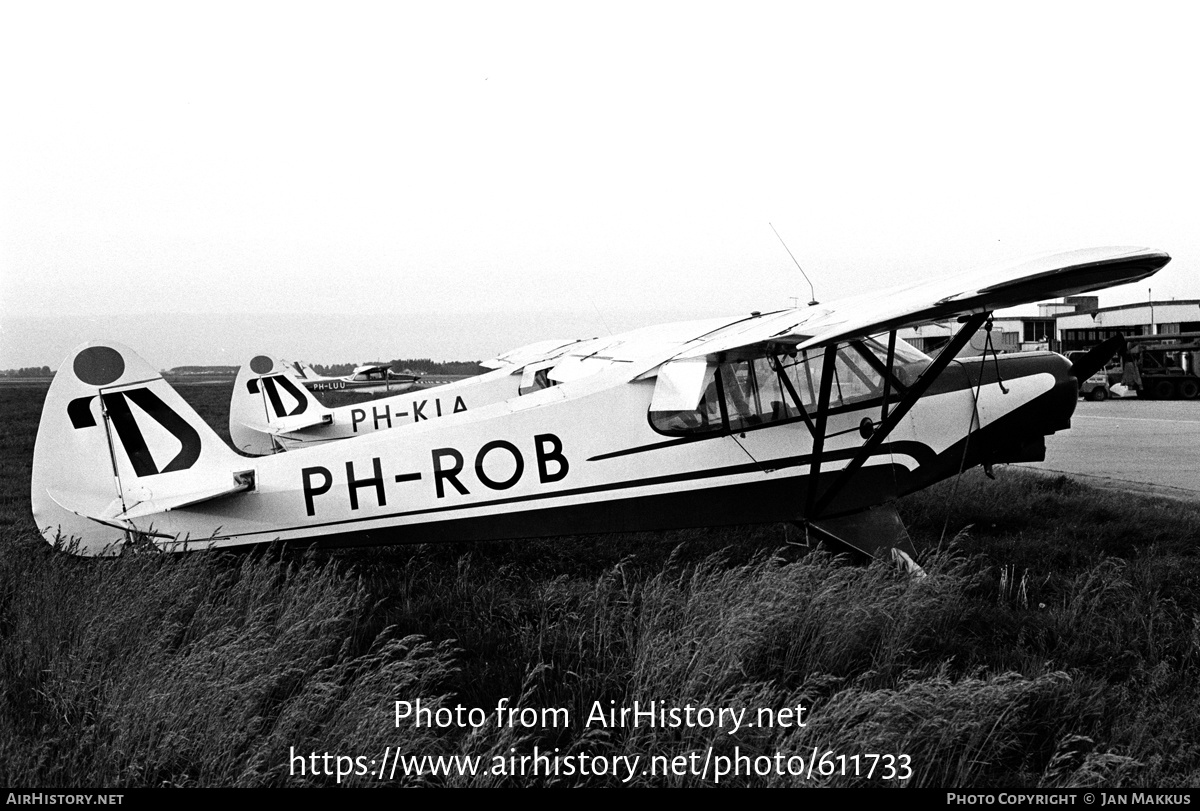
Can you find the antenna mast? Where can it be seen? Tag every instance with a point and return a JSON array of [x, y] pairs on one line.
[[811, 291]]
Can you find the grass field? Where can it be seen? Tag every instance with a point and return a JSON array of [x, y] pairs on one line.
[[1055, 642]]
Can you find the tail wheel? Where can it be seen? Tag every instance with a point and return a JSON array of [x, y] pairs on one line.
[[1189, 389]]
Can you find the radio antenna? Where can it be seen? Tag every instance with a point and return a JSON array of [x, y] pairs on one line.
[[812, 292]]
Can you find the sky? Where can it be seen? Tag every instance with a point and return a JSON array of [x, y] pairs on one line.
[[338, 183]]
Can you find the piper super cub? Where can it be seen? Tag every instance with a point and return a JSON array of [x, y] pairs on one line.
[[271, 409], [817, 415]]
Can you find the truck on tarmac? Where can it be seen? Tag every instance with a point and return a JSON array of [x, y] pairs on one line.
[[1168, 368], [1167, 364]]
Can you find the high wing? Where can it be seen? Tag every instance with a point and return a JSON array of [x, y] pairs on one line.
[[971, 292], [522, 356], [971, 296], [373, 372], [992, 288]]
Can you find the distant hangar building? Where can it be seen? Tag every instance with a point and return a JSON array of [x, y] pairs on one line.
[[1074, 323], [1016, 330], [1085, 329]]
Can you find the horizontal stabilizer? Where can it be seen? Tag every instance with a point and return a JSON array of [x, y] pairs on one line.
[[291, 425], [58, 498], [137, 504]]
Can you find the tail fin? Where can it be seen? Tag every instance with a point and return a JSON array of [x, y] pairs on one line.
[[303, 370], [116, 446], [269, 399]]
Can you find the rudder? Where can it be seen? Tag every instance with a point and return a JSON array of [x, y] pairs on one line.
[[268, 399], [117, 445]]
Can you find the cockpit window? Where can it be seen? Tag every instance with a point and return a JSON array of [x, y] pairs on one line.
[[535, 380], [907, 362], [747, 392]]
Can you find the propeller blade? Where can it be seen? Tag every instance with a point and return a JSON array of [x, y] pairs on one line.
[[1087, 365]]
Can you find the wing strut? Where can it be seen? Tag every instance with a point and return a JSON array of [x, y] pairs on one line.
[[907, 401], [814, 471], [791, 390], [887, 378]]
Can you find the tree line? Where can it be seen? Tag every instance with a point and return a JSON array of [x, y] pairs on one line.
[[27, 371], [418, 365]]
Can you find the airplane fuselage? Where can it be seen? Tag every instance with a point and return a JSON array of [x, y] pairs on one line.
[[587, 457], [818, 415]]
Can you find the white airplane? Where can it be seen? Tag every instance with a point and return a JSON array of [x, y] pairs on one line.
[[371, 377], [816, 415], [271, 411]]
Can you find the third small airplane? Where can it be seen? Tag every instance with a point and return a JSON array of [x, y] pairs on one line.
[[371, 377]]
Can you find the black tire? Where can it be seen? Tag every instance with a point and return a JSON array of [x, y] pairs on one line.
[[1163, 390], [1098, 394], [1189, 389]]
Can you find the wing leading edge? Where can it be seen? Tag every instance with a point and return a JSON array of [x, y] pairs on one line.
[[975, 291], [986, 290]]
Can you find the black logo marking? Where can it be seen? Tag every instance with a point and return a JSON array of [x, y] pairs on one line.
[[116, 405], [99, 365], [269, 384]]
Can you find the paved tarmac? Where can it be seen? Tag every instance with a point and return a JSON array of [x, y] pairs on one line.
[[1141, 445]]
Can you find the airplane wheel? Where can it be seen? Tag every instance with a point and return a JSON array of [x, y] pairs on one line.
[[1164, 390], [1188, 389]]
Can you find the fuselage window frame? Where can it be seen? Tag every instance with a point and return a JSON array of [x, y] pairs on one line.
[[865, 371]]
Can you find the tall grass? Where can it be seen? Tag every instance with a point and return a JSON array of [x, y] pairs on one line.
[[1055, 642]]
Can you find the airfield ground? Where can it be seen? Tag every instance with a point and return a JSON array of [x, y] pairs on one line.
[[1132, 445], [1055, 642]]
